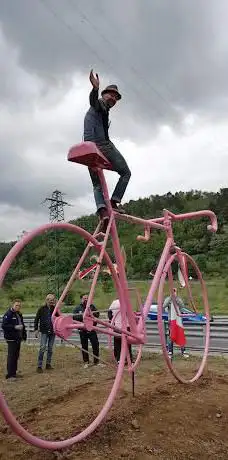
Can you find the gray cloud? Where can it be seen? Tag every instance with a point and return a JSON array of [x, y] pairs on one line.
[[168, 57], [22, 187], [33, 159]]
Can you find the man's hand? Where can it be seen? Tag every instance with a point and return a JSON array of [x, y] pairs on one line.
[[18, 327], [94, 80], [36, 333]]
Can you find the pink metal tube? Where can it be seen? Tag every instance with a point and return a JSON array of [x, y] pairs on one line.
[[138, 220], [146, 236], [123, 285], [8, 415], [73, 276], [159, 222], [157, 277], [197, 214], [107, 328], [95, 278]]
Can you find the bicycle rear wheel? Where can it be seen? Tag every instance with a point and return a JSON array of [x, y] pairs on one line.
[[195, 323], [7, 413]]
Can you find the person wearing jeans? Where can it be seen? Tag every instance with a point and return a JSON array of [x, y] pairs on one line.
[[96, 127], [170, 349], [46, 343], [120, 166], [14, 332], [43, 323]]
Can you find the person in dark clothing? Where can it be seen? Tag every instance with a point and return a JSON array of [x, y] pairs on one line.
[[14, 332], [43, 323], [85, 335], [96, 127]]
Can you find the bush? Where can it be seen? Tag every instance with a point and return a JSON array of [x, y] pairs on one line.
[[70, 299], [107, 284], [17, 292]]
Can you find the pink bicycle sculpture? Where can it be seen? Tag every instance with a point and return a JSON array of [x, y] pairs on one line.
[[132, 329]]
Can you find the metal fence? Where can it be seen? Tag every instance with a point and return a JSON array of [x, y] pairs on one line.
[[194, 334]]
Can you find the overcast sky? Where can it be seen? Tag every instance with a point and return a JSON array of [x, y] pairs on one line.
[[170, 61]]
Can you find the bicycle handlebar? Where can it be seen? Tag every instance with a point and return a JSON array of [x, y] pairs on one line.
[[146, 236], [159, 222], [213, 227]]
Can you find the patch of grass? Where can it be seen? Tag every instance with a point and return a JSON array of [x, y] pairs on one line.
[[33, 292]]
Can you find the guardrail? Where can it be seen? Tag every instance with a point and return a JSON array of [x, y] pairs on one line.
[[194, 335], [221, 318]]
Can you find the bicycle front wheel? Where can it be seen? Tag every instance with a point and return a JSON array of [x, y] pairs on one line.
[[101, 412], [184, 331]]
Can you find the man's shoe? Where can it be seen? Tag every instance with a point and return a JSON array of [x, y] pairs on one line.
[[12, 378], [86, 365], [185, 355], [102, 212], [117, 208], [49, 367], [39, 370], [104, 225], [104, 218]]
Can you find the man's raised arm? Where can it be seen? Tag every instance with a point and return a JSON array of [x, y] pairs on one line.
[[93, 97]]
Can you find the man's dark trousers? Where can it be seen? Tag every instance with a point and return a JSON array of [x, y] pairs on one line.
[[85, 336], [13, 356]]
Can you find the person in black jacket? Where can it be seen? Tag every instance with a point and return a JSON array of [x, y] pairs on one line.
[[85, 335], [43, 323], [14, 332]]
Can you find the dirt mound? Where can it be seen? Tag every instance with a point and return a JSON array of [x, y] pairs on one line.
[[165, 420]]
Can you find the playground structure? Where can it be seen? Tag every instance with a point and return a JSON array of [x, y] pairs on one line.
[[132, 329]]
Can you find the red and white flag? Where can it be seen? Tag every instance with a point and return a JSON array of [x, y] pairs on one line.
[[177, 334]]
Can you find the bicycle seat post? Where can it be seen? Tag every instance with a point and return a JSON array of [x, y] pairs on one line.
[[104, 188], [123, 286], [87, 153]]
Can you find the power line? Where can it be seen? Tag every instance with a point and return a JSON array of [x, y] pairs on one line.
[[70, 28], [94, 52], [135, 71], [114, 27], [132, 68]]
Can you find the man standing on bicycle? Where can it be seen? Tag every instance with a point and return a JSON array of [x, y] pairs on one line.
[[96, 126]]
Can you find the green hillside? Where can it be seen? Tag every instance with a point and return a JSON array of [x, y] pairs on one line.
[[210, 250]]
